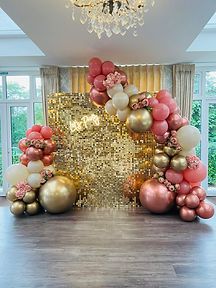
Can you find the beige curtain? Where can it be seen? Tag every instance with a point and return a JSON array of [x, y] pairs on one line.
[[50, 84], [183, 84]]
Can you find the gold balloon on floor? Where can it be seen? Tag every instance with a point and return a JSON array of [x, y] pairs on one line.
[[178, 163], [11, 194], [33, 208], [139, 121], [29, 197], [161, 160], [18, 208], [57, 195]]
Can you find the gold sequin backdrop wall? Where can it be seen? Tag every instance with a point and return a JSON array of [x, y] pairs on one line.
[[95, 149]]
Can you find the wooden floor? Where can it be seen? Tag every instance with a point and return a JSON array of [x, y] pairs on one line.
[[106, 248]]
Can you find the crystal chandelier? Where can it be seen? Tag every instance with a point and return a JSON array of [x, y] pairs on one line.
[[110, 16]]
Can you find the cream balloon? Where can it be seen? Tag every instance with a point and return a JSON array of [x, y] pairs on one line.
[[187, 152], [115, 89], [16, 173], [123, 114], [120, 100], [34, 180], [188, 137], [35, 166], [109, 108], [50, 167], [131, 90]]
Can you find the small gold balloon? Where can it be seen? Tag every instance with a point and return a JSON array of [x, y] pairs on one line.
[[33, 208], [11, 194], [139, 121], [133, 100], [18, 208], [170, 151], [29, 197], [158, 150], [155, 169], [178, 163], [58, 194], [161, 160]]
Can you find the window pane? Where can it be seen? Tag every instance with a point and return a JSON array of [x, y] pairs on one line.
[[18, 87], [18, 128], [38, 87], [38, 113], [212, 147], [1, 168], [1, 91], [196, 120], [197, 84], [210, 88]]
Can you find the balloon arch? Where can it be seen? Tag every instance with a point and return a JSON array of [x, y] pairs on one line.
[[178, 172]]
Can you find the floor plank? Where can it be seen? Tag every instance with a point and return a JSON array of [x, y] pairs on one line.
[[106, 248]]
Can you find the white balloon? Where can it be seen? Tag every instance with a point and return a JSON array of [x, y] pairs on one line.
[[187, 152], [34, 180], [50, 167], [112, 91], [188, 137], [120, 100], [16, 173], [35, 166], [131, 90], [110, 109], [123, 114]]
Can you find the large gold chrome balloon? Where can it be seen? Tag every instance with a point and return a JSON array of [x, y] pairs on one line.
[[139, 121], [57, 195], [33, 208], [18, 208], [29, 197], [178, 163], [11, 194], [170, 151], [161, 160]]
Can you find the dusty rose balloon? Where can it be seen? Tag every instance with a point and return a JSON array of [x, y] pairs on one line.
[[185, 122], [36, 128], [187, 214], [195, 175], [174, 121], [163, 94], [198, 191], [22, 145], [192, 201], [162, 139], [180, 200], [98, 83], [34, 154], [153, 101], [99, 99], [46, 132], [205, 210], [123, 77], [184, 187], [195, 184], [50, 147], [171, 103], [160, 111], [173, 176], [28, 132], [24, 159], [107, 68], [35, 136], [159, 127], [47, 160], [90, 79], [95, 66], [155, 197]]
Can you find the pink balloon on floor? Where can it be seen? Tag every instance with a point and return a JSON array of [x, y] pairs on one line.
[[205, 210], [192, 201], [195, 175], [159, 127], [187, 214], [160, 111], [173, 176], [98, 83], [184, 187], [174, 121], [108, 67], [180, 200], [99, 99], [198, 191]]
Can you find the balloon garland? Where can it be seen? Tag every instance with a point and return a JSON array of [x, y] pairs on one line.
[[178, 171]]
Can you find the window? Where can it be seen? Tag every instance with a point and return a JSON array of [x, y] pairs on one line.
[[20, 108], [204, 118]]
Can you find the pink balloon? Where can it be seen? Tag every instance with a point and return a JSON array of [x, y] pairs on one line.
[[205, 210], [180, 200], [187, 214], [47, 160], [28, 132], [160, 111], [34, 154], [35, 136], [192, 201], [198, 191], [173, 176], [174, 121], [108, 67], [162, 139], [184, 187], [159, 127], [155, 197], [195, 184], [50, 147], [195, 175], [177, 110], [24, 159], [171, 103], [36, 128], [185, 122], [99, 99], [153, 101], [95, 67], [98, 83], [163, 94], [90, 79], [22, 145], [123, 77], [46, 132]]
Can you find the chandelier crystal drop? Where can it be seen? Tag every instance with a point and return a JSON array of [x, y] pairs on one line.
[[110, 16]]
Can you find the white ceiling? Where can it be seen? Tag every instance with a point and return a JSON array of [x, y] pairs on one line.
[[170, 28]]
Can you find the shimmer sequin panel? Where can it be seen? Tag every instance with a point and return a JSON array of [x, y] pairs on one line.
[[107, 163]]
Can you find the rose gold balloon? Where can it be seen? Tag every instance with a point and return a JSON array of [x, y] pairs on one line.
[[98, 98], [192, 201], [174, 121], [205, 210], [123, 77], [132, 184], [180, 200], [22, 145], [24, 159], [162, 139], [34, 154], [198, 191], [47, 160], [50, 147], [187, 214], [155, 197], [185, 122]]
